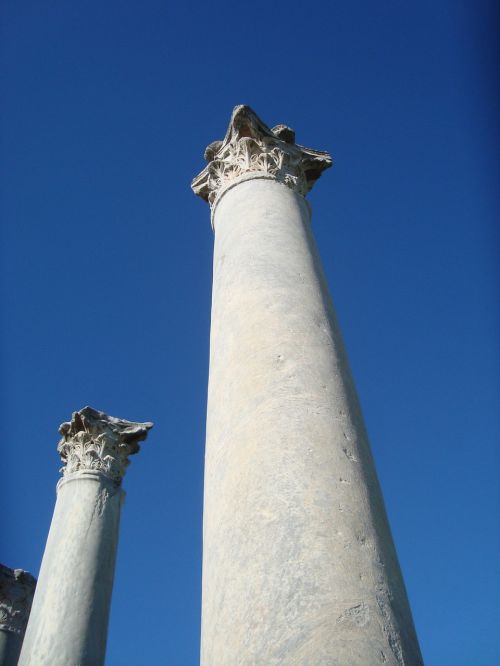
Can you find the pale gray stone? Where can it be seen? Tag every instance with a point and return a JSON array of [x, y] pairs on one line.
[[93, 440], [16, 595], [299, 566], [69, 619], [250, 148]]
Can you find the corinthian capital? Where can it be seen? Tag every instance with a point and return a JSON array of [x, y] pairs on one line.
[[16, 594], [94, 441], [251, 149]]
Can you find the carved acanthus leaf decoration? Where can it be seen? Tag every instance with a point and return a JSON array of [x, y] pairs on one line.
[[16, 595], [250, 147], [94, 441]]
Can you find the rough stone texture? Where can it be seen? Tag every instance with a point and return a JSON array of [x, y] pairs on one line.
[[251, 149], [16, 595], [69, 619], [299, 566], [93, 440]]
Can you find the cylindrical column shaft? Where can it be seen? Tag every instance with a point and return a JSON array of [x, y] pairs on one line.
[[16, 595], [69, 619], [299, 565]]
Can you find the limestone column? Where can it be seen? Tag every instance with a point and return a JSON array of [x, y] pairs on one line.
[[69, 619], [16, 594], [299, 566]]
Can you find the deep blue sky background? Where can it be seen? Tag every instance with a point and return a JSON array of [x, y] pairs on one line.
[[106, 274]]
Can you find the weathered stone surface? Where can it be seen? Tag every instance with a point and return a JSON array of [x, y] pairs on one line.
[[95, 441], [16, 595], [299, 565], [251, 149], [69, 618]]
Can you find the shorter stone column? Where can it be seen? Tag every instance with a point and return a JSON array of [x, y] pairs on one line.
[[69, 619], [16, 594]]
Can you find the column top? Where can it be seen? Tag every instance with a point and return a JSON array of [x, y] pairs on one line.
[[95, 441], [251, 149], [17, 588]]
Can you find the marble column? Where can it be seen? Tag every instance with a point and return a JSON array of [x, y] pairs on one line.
[[299, 566], [16, 595], [69, 619]]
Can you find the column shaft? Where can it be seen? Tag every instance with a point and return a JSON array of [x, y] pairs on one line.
[[69, 619], [10, 647], [68, 625], [299, 566]]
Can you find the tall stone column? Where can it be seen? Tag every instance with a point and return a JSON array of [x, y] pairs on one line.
[[16, 595], [69, 619], [299, 566]]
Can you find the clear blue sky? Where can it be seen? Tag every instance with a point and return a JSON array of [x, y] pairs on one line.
[[106, 273]]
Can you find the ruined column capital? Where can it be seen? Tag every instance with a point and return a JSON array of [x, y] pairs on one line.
[[251, 149], [16, 594], [94, 441]]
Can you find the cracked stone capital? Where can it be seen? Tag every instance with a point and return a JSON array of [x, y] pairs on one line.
[[94, 441], [17, 588], [251, 149]]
